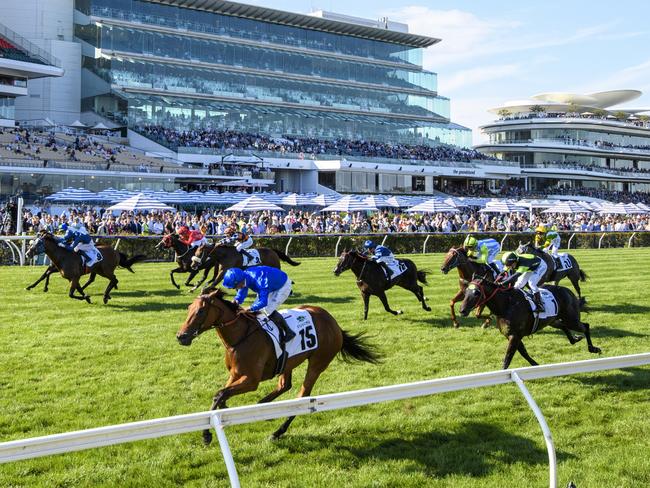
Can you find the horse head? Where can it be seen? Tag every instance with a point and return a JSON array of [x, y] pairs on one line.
[[523, 247], [36, 246], [204, 313], [453, 259], [165, 242], [345, 262]]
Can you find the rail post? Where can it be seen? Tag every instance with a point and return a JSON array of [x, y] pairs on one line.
[[383, 241], [503, 240], [215, 422], [629, 242], [601, 240], [11, 247], [424, 246], [336, 249], [21, 254], [286, 249], [548, 438], [117, 244], [568, 246]]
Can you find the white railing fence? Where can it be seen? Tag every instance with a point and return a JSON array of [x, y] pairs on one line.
[[219, 419]]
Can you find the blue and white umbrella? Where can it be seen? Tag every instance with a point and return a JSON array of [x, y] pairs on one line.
[[298, 200], [254, 204], [75, 195], [140, 202], [348, 204], [567, 207], [376, 201], [399, 202], [325, 200], [502, 207], [433, 205]]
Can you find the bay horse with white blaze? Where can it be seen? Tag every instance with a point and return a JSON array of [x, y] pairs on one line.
[[515, 319], [225, 256], [250, 355], [69, 264], [371, 279]]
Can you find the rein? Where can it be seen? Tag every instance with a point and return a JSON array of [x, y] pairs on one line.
[[483, 294]]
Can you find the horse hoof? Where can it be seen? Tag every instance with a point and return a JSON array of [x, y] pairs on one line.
[[207, 438], [28, 288], [428, 309], [594, 349], [105, 300], [456, 325], [87, 299], [399, 312], [273, 437]]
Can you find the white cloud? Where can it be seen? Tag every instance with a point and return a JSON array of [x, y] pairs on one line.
[[477, 75]]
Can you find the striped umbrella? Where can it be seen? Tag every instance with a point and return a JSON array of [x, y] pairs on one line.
[[324, 200], [434, 205], [348, 204], [502, 207], [567, 207], [75, 195], [298, 200], [253, 204], [643, 206], [376, 201], [140, 202], [399, 202], [631, 209]]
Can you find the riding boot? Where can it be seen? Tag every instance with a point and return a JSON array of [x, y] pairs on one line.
[[388, 271], [287, 333], [244, 252], [537, 298], [495, 268]]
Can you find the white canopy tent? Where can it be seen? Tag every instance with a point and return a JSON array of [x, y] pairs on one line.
[[567, 207], [254, 204], [140, 202], [349, 204], [433, 205]]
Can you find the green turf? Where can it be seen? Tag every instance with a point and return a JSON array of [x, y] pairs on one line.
[[67, 365]]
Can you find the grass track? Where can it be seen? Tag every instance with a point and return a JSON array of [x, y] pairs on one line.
[[67, 365]]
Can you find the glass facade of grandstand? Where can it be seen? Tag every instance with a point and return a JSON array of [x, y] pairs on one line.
[[188, 69]]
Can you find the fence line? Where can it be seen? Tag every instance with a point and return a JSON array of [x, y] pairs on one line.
[[219, 419]]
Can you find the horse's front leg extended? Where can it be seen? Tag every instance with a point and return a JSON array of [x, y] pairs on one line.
[[193, 273], [453, 301], [199, 283], [171, 276], [90, 280], [384, 301], [241, 385], [45, 275], [479, 315], [366, 302]]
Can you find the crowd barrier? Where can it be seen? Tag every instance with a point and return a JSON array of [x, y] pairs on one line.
[[12, 248], [220, 419]]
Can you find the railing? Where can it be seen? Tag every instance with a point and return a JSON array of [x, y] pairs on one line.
[[591, 169], [220, 419], [32, 49]]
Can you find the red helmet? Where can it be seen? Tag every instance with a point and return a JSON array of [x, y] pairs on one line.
[[183, 230]]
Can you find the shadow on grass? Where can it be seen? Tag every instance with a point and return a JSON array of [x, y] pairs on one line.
[[631, 379], [299, 298], [149, 306], [601, 330], [476, 449], [155, 293], [629, 308]]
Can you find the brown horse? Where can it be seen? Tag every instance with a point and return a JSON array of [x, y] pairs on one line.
[[183, 254], [224, 257], [371, 280], [70, 265], [457, 257], [250, 356]]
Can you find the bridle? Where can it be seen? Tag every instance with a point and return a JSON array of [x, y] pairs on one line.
[[484, 296]]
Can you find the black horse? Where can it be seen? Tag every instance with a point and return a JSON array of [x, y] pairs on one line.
[[183, 256], [574, 273], [515, 319], [371, 279]]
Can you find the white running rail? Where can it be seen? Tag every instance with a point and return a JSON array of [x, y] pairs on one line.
[[219, 419]]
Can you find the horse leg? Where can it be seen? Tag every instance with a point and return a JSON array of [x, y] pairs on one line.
[[590, 345], [314, 369], [384, 301], [90, 280], [418, 291], [193, 273], [572, 338], [522, 350], [366, 302], [241, 385], [217, 276], [453, 301], [513, 344], [43, 276], [74, 286], [479, 315], [111, 284], [575, 281], [47, 280], [171, 275], [284, 385], [205, 275]]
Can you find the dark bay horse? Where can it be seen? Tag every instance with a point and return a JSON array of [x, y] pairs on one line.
[[457, 257], [250, 356], [515, 319], [225, 256], [69, 264], [183, 256], [51, 269], [574, 273], [371, 279]]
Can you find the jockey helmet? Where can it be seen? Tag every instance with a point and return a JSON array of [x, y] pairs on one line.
[[509, 258], [63, 227], [470, 242], [183, 229], [233, 277], [541, 229], [369, 244]]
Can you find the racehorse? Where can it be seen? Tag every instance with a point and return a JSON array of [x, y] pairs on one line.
[[515, 319], [224, 257], [574, 273], [69, 264], [457, 257], [371, 279], [183, 256], [51, 269], [250, 356]]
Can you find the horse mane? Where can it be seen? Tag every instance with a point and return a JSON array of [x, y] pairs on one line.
[[220, 294]]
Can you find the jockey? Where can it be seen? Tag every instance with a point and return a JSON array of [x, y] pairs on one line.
[[532, 269], [241, 238], [272, 286], [484, 251], [381, 255], [192, 238], [77, 240], [548, 239]]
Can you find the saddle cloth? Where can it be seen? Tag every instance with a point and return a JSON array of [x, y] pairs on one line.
[[551, 307], [256, 261], [562, 262], [301, 323], [94, 256], [397, 267]]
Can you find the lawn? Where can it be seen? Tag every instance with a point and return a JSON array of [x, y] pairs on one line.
[[67, 365]]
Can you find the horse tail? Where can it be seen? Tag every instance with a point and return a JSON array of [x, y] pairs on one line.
[[126, 262], [422, 276], [356, 348], [286, 258], [583, 275]]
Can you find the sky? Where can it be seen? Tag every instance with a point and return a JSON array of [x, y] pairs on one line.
[[499, 50]]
